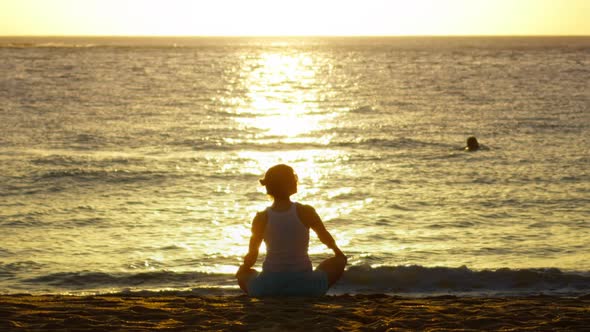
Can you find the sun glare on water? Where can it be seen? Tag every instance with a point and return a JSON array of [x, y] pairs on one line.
[[281, 102], [277, 103], [281, 106]]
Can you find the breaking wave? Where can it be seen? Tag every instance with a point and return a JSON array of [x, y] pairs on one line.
[[402, 280]]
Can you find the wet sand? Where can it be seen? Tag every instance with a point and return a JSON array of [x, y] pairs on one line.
[[330, 313]]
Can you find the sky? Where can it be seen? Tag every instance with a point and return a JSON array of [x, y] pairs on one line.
[[294, 17]]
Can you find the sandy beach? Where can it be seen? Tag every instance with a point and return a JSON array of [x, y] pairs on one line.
[[330, 313]]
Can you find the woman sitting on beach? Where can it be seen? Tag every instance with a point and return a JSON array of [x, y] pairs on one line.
[[284, 227]]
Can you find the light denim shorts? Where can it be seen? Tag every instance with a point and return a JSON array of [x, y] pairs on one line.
[[312, 283]]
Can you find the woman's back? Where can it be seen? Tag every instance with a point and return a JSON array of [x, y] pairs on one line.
[[287, 241]]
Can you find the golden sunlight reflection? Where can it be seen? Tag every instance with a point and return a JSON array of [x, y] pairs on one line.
[[220, 268], [226, 244], [282, 96], [289, 125], [307, 164], [279, 107]]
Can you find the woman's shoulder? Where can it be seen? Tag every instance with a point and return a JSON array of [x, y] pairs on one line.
[[261, 216], [259, 222], [262, 212], [307, 215], [304, 208]]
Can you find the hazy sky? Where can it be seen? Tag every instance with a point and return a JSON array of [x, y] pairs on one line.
[[294, 17]]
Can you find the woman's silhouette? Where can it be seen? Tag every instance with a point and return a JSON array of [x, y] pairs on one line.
[[284, 227]]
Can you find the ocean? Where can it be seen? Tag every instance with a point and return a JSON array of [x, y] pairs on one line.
[[132, 164]]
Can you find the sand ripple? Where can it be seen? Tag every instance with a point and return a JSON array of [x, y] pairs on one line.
[[331, 313]]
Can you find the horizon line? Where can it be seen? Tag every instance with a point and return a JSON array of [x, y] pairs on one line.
[[288, 36]]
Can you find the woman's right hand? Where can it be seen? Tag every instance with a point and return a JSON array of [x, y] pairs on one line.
[[339, 253], [250, 260]]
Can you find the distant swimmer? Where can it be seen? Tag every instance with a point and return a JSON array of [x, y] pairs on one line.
[[284, 227], [472, 144]]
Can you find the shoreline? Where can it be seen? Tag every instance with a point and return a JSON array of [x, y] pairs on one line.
[[376, 312]]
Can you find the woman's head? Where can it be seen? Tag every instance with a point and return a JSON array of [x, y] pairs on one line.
[[280, 181]]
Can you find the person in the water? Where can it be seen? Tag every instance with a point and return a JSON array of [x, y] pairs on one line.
[[284, 227], [472, 144]]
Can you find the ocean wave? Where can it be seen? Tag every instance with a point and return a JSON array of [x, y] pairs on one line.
[[367, 109], [10, 270], [42, 219], [420, 279], [262, 145], [94, 280], [86, 43], [47, 45], [414, 279], [391, 143], [5, 253], [104, 175], [202, 144], [83, 160], [109, 42]]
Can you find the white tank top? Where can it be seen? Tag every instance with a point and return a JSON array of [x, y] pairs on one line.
[[287, 241]]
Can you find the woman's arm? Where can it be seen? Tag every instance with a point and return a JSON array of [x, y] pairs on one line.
[[258, 227], [313, 220]]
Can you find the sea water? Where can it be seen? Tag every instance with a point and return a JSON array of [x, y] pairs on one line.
[[133, 163]]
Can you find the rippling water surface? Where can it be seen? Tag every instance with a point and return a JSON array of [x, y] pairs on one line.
[[133, 163]]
